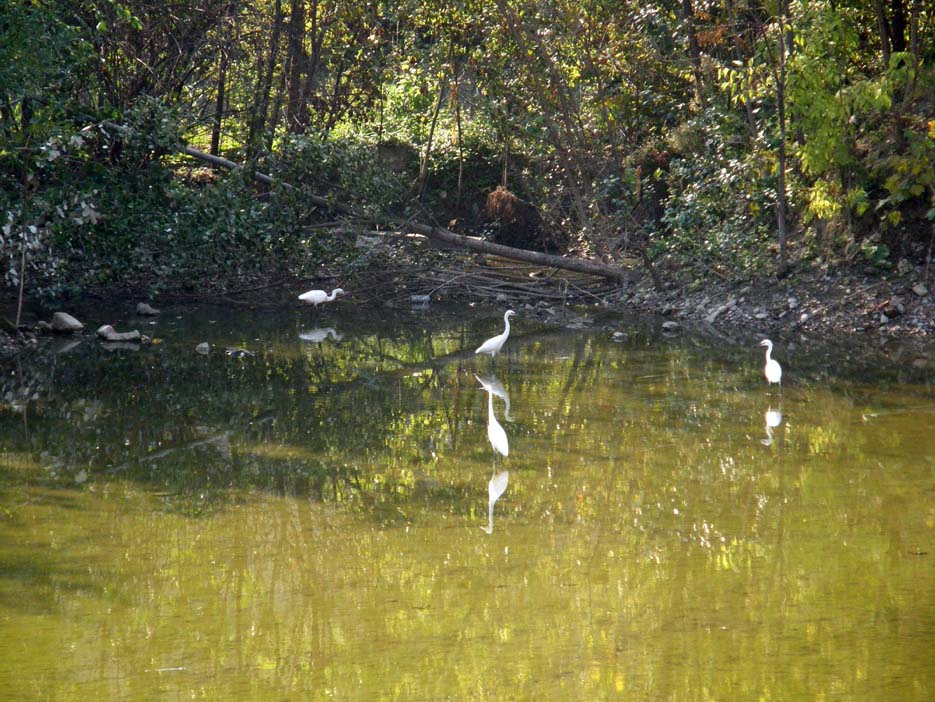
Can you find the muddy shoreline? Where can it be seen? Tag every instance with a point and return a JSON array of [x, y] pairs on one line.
[[864, 307]]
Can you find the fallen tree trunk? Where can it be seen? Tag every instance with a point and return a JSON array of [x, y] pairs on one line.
[[225, 163], [579, 265]]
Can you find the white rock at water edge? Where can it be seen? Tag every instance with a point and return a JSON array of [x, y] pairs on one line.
[[64, 323], [108, 333], [146, 310]]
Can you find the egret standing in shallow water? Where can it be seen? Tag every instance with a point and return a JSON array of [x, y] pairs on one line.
[[316, 297], [772, 370], [495, 343]]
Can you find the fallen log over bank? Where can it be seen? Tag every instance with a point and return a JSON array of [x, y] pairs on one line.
[[578, 265]]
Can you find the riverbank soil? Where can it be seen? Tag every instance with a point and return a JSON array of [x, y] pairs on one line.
[[825, 302]]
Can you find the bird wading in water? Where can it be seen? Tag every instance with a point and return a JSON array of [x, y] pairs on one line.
[[771, 369], [495, 343], [316, 297]]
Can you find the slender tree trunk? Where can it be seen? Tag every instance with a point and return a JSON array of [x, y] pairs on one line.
[[915, 38], [883, 28], [265, 82], [781, 205], [738, 55], [505, 159], [915, 48], [277, 111], [456, 96], [898, 25], [424, 166], [219, 104], [694, 50], [311, 63], [297, 62]]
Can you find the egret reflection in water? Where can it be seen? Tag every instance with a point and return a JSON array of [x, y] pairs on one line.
[[500, 443], [493, 385], [495, 488], [495, 433], [772, 418], [318, 335]]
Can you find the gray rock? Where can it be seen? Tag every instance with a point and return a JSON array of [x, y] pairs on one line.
[[714, 314], [671, 326], [204, 348], [108, 333], [145, 310], [920, 289], [64, 323]]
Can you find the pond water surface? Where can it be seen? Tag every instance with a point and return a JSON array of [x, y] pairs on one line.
[[326, 519]]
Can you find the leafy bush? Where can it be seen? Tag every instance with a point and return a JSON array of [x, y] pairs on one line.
[[720, 210]]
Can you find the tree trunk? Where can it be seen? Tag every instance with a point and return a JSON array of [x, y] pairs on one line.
[[265, 83], [296, 61], [579, 265], [694, 51], [219, 104], [456, 96], [424, 165], [781, 108], [898, 25], [883, 29], [738, 55]]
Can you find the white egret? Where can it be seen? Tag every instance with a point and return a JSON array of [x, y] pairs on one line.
[[316, 336], [316, 297], [772, 418], [495, 343], [495, 488], [772, 370], [492, 384]]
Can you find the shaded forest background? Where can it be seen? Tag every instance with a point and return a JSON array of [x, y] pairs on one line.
[[727, 138]]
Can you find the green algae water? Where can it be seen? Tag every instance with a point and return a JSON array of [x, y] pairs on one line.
[[322, 516]]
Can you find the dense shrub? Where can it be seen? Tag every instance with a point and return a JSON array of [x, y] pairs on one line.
[[720, 211]]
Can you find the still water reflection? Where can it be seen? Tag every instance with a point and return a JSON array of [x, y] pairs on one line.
[[302, 523]]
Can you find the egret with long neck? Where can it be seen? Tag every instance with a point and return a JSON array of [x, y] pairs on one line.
[[495, 343], [316, 297], [771, 369]]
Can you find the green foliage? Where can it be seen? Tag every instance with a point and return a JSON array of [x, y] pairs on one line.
[[345, 170], [721, 207], [97, 97]]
